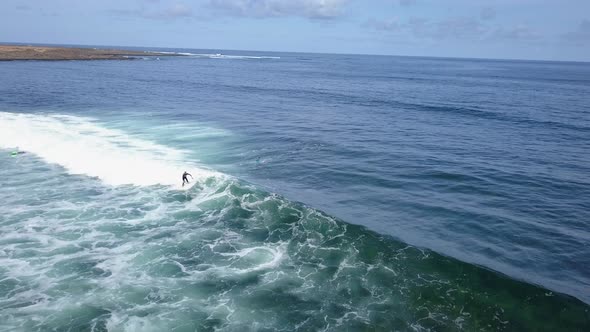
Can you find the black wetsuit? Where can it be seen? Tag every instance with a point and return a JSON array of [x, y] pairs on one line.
[[185, 179]]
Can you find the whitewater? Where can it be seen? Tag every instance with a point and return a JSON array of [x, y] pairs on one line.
[[83, 147]]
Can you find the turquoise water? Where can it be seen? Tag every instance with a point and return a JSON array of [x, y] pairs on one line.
[[331, 193]]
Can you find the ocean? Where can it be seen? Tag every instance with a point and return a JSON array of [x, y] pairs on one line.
[[330, 193]]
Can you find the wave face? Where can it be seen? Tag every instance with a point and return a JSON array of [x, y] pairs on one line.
[[81, 250]]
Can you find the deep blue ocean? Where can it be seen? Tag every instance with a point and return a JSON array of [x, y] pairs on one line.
[[330, 193]]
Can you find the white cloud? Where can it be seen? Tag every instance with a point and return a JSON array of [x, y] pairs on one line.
[[518, 32], [384, 25], [277, 8], [581, 35], [459, 28], [154, 10], [175, 11], [488, 13], [454, 28], [23, 7]]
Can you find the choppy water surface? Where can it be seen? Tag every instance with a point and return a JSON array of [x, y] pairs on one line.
[[332, 193]]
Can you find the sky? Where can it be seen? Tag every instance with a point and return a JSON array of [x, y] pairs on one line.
[[505, 29]]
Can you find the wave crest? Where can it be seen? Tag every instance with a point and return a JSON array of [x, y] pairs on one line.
[[83, 146]]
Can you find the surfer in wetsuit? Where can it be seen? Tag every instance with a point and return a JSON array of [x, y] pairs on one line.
[[184, 178]]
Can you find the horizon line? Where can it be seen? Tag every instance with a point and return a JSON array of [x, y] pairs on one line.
[[122, 47]]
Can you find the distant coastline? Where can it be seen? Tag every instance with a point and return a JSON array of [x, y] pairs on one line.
[[19, 52]]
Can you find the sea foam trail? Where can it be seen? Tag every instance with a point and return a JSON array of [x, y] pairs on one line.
[[223, 56], [82, 146]]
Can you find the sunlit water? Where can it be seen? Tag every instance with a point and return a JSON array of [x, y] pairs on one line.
[[330, 193]]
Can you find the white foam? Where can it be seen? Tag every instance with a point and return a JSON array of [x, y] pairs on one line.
[[257, 258], [223, 56], [220, 56], [82, 146], [226, 56]]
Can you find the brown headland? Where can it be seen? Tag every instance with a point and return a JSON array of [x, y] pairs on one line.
[[17, 52]]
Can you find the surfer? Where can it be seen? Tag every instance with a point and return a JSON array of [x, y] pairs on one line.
[[184, 178]]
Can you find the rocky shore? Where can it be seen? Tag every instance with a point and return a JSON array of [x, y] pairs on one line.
[[13, 52]]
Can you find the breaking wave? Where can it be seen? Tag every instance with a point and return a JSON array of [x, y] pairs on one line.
[[224, 255], [82, 146], [222, 56]]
